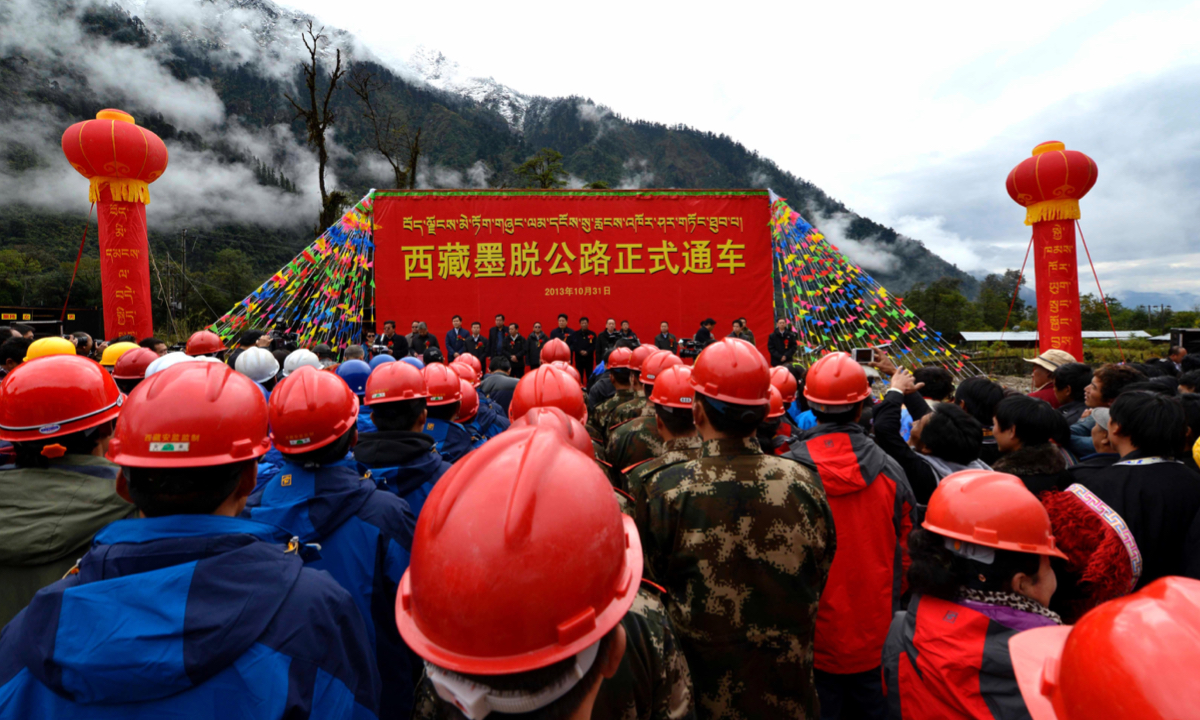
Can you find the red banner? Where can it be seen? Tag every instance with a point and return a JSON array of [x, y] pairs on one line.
[[1057, 287], [642, 256], [124, 268]]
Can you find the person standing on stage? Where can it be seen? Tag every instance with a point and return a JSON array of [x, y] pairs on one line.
[[496, 337], [583, 349], [664, 340], [514, 350], [781, 344], [563, 331], [456, 339], [533, 346]]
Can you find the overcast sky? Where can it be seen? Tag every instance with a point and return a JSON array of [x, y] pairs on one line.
[[910, 116]]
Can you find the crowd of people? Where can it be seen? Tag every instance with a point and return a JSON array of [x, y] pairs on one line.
[[581, 525]]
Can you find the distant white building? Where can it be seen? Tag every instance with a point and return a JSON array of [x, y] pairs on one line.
[[1030, 339]]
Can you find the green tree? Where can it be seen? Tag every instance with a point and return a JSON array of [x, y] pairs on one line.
[[16, 270], [544, 170], [942, 305], [995, 295]]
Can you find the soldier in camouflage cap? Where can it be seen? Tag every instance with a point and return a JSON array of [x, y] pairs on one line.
[[671, 426], [633, 408], [743, 543], [599, 421], [638, 439]]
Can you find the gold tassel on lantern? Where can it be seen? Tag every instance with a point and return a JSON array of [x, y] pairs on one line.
[[1052, 210], [125, 190]]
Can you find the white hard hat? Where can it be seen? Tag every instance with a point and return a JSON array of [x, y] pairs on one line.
[[167, 361], [298, 359], [257, 363]]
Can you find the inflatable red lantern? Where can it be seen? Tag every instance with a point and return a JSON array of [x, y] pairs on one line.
[[1049, 186], [121, 160]]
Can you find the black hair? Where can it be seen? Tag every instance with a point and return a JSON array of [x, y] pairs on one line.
[[123, 338], [500, 316], [1191, 412], [183, 491], [432, 355], [1191, 379], [801, 374], [939, 383], [583, 318], [624, 322], [1190, 362], [678, 421], [280, 356], [126, 385], [937, 572], [514, 325], [29, 454], [456, 317], [399, 415], [952, 434], [1166, 367], [1114, 378], [14, 348], [563, 316], [1156, 425], [1036, 423], [736, 420], [150, 342], [1076, 376], [708, 321], [844, 417], [323, 352], [476, 322], [1148, 369], [444, 412], [501, 363], [327, 454], [81, 336], [979, 397], [625, 343], [22, 328], [389, 322], [620, 375], [534, 680], [250, 338], [1160, 385]]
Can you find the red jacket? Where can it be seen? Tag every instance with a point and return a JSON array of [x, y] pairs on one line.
[[948, 659], [1047, 394], [872, 505]]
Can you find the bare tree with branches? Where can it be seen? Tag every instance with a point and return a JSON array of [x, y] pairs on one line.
[[318, 117], [397, 141]]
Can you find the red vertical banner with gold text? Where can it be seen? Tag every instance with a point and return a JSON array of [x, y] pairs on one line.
[[646, 256], [124, 268], [1057, 287]]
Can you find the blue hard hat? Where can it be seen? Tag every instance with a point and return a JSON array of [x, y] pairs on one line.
[[355, 373], [380, 360], [415, 362]]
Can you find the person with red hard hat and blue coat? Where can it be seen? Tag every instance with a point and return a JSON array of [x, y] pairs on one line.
[[445, 395], [320, 495], [190, 611], [355, 373]]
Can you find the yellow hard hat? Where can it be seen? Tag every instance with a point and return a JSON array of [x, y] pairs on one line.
[[113, 353], [1196, 450], [49, 346]]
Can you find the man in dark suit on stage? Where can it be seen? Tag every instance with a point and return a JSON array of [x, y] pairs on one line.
[[496, 337], [664, 340]]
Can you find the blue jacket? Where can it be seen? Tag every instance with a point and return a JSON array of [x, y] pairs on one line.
[[365, 538], [268, 467], [404, 463], [189, 616], [364, 423], [455, 342], [452, 440], [488, 419]]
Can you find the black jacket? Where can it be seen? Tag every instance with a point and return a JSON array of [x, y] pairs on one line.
[[703, 337], [1159, 502], [421, 344], [604, 344], [514, 347], [1072, 411], [396, 343], [533, 349], [887, 436], [665, 342], [1040, 467], [563, 334], [583, 341], [477, 347], [1091, 466], [496, 341], [781, 347]]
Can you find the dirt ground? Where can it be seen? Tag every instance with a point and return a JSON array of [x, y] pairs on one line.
[[1022, 384]]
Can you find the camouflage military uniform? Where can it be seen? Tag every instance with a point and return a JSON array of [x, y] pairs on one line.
[[599, 420], [632, 443], [630, 410], [743, 542], [641, 480], [652, 682]]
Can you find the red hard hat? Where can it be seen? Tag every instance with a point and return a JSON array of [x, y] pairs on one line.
[[573, 430], [395, 381], [555, 349], [640, 353], [569, 369], [619, 358], [56, 395], [656, 363], [524, 540], [192, 415], [133, 364], [992, 509], [471, 360], [732, 370], [673, 388], [442, 383], [465, 372], [785, 381], [836, 381], [548, 387], [470, 403], [204, 342], [776, 404], [310, 409], [1135, 657]]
